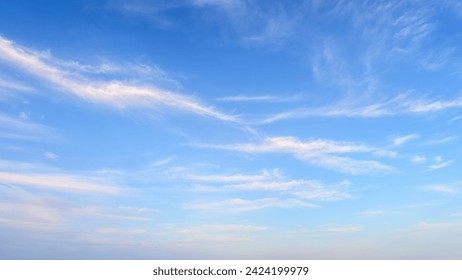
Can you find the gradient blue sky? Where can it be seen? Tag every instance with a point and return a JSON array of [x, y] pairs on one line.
[[230, 129]]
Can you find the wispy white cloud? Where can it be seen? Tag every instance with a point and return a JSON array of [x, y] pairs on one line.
[[317, 152], [222, 234], [20, 124], [161, 162], [399, 105], [274, 181], [12, 85], [239, 98], [413, 26], [424, 106], [341, 229], [393, 27], [263, 176], [237, 205], [50, 155], [258, 98], [111, 70], [371, 213], [455, 119], [426, 226], [385, 153], [23, 115], [294, 145], [303, 189], [120, 231], [24, 167], [57, 182], [151, 11], [106, 213], [30, 216], [351, 109], [321, 193], [418, 159], [388, 31], [437, 60], [256, 25], [24, 208], [24, 129], [329, 66], [217, 240], [398, 141], [250, 23], [268, 185], [225, 4], [334, 229], [442, 140], [346, 164], [440, 163], [276, 28], [114, 93], [103, 68], [442, 189], [220, 228]]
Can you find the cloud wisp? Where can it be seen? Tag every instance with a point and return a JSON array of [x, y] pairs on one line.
[[238, 205], [318, 152], [30, 216], [265, 175], [41, 176], [442, 189], [401, 140], [114, 93], [440, 163], [220, 233], [21, 129], [63, 183], [274, 181], [217, 228], [399, 105], [272, 189], [11, 85], [258, 98]]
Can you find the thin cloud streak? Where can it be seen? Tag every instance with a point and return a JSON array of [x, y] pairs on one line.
[[293, 144], [398, 141], [333, 229], [30, 217], [442, 189], [324, 194], [346, 164], [258, 98], [263, 176], [441, 165], [238, 205], [13, 85], [399, 105], [372, 213], [276, 182], [418, 159], [340, 229], [57, 183], [318, 152], [17, 128], [208, 228], [113, 93], [120, 231]]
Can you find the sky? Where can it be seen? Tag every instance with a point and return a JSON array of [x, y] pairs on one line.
[[230, 129]]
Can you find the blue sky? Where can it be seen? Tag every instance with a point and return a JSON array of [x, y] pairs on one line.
[[230, 129]]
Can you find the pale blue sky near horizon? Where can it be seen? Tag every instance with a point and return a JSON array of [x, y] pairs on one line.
[[229, 129]]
